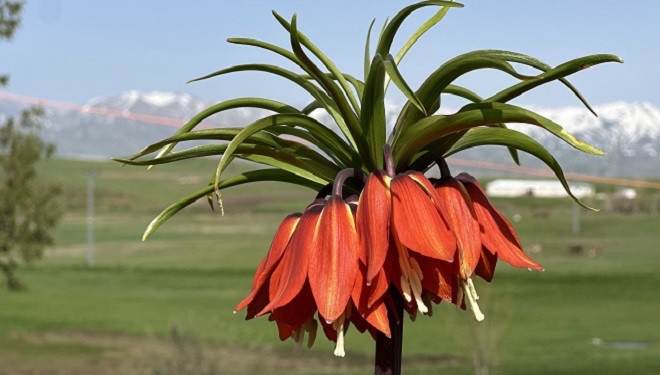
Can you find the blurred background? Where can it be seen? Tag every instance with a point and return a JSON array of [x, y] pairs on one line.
[[86, 81]]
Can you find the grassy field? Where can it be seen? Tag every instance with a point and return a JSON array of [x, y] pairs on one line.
[[165, 306]]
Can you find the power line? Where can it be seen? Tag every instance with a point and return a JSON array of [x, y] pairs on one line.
[[175, 122]]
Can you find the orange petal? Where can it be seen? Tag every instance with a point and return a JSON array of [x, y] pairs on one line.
[[375, 315], [439, 277], [333, 260], [258, 302], [292, 269], [292, 315], [280, 241], [497, 234], [377, 318], [486, 267], [462, 221], [417, 222], [373, 221]]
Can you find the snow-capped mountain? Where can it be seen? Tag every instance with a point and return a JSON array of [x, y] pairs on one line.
[[628, 132]]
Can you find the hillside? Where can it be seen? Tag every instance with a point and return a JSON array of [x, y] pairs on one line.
[[629, 132]]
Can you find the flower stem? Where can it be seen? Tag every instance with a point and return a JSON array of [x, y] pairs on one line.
[[389, 160], [388, 350], [345, 174], [444, 168]]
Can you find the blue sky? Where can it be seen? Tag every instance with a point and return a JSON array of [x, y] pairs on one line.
[[71, 50]]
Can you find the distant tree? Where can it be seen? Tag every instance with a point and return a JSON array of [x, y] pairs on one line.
[[10, 18], [29, 209]]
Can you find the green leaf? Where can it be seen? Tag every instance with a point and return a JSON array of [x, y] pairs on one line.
[[287, 158], [473, 97], [243, 178], [426, 26], [511, 138], [535, 63], [367, 51], [429, 92], [356, 83], [321, 56], [221, 134], [557, 73], [387, 36], [431, 128], [328, 84], [393, 72], [291, 56], [267, 104], [330, 138], [373, 110], [313, 90]]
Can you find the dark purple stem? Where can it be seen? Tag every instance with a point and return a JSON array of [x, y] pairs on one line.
[[345, 174], [389, 160], [444, 168], [388, 350]]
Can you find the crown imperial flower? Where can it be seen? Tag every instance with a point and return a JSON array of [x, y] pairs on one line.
[[387, 239]]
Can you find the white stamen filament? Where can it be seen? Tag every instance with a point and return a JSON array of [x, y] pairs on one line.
[[411, 281], [473, 290], [339, 327], [405, 288], [478, 315]]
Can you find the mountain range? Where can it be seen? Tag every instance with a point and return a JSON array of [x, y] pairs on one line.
[[629, 132]]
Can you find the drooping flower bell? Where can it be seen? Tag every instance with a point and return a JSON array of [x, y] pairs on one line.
[[482, 234], [398, 218], [312, 266]]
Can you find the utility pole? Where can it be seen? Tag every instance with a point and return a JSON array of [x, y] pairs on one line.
[[576, 218], [91, 175]]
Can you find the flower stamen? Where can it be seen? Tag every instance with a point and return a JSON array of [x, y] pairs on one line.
[[470, 294], [411, 281], [338, 325]]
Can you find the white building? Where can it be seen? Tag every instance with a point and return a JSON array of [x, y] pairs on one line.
[[537, 188]]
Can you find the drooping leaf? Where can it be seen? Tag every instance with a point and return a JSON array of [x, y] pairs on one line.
[[561, 71], [321, 56], [284, 158], [511, 138], [313, 90], [431, 128], [267, 104], [400, 82], [243, 178], [305, 122], [429, 92], [333, 90]]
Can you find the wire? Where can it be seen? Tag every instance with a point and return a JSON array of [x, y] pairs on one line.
[[174, 122]]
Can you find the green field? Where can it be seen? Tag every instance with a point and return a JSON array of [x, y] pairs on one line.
[[165, 306]]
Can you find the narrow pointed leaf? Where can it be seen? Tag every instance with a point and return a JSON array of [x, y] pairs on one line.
[[372, 116], [313, 90], [321, 56], [399, 81], [508, 137], [557, 73], [431, 128], [367, 51], [350, 117], [387, 36], [243, 178]]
